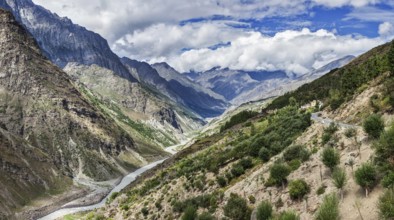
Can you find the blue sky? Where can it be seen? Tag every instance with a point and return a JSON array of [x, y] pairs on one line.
[[290, 35]]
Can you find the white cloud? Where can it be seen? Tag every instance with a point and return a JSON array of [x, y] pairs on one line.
[[371, 14], [386, 29], [340, 3], [292, 51], [162, 40]]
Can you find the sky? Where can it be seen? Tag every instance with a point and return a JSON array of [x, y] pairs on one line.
[[295, 36]]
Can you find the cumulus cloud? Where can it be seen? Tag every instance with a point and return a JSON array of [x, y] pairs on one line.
[[163, 40], [293, 51], [386, 30]]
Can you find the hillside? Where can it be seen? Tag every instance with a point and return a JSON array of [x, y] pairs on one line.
[[51, 133], [150, 117], [275, 157]]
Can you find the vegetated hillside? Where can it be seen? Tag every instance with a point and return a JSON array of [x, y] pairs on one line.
[[282, 165], [150, 117], [51, 133]]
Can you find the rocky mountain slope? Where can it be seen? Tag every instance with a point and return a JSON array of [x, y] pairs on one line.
[[150, 116], [50, 131], [277, 159], [62, 41]]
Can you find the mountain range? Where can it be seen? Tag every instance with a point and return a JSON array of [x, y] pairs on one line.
[[72, 110]]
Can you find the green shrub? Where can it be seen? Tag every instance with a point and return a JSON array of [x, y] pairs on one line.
[[330, 157], [339, 179], [373, 126], [366, 176], [237, 208], [221, 181], [321, 190], [264, 154], [294, 164], [246, 163], [288, 215], [279, 173], [252, 199], [237, 170], [386, 205], [350, 132], [158, 205], [190, 213], [264, 211], [296, 152], [298, 189], [205, 216], [384, 149], [329, 209], [388, 180], [145, 211]]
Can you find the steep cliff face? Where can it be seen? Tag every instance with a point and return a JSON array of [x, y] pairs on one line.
[[49, 131], [62, 41]]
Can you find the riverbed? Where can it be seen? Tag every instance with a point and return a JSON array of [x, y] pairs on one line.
[[125, 182]]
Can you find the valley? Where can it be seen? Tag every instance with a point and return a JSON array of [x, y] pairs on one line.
[[98, 128]]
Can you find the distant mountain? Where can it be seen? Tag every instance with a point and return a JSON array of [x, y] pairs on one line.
[[232, 84], [201, 101], [170, 74], [239, 86], [62, 41], [275, 86], [52, 133]]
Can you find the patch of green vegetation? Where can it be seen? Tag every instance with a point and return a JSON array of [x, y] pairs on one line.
[[238, 118]]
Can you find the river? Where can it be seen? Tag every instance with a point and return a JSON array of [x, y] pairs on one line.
[[125, 182]]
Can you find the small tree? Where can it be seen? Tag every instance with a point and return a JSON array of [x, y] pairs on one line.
[[299, 152], [384, 148], [221, 181], [339, 179], [264, 211], [373, 126], [386, 205], [298, 189], [330, 158], [279, 173], [237, 208], [366, 177], [264, 154], [329, 209]]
